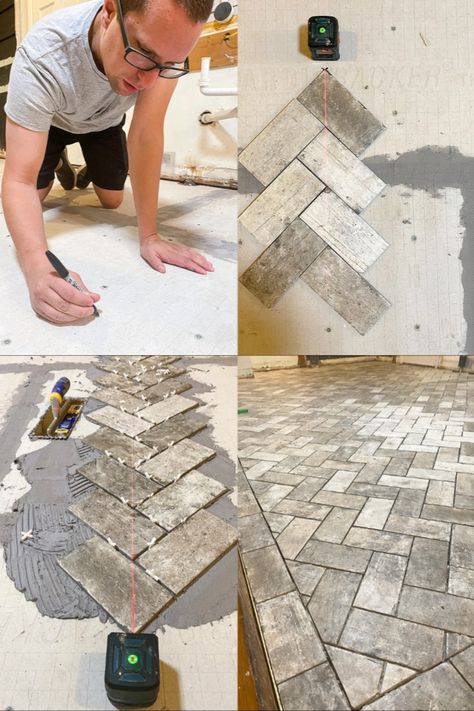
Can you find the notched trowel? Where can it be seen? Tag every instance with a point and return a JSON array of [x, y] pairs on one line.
[[61, 416]]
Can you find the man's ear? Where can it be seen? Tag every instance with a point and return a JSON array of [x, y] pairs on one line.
[[108, 12]]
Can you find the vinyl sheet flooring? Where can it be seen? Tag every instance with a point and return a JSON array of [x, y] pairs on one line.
[[357, 533], [145, 312], [58, 663]]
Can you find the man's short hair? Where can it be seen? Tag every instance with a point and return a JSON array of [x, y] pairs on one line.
[[196, 10]]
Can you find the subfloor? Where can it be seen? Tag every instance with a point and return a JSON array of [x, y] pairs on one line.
[[356, 507], [394, 63], [141, 310], [57, 660]]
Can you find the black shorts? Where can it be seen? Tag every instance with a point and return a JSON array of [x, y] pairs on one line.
[[105, 153]]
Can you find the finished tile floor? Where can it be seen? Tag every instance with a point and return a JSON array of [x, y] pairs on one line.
[[356, 505]]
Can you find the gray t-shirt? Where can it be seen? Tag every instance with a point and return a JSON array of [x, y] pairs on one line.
[[55, 81]]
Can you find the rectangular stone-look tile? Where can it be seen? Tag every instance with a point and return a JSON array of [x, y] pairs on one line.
[[464, 663], [428, 565], [345, 501], [346, 291], [280, 142], [189, 551], [331, 602], [180, 500], [409, 502], [336, 525], [305, 490], [281, 203], [346, 232], [418, 527], [113, 380], [119, 399], [438, 609], [341, 171], [437, 474], [295, 535], [161, 391], [267, 573], [462, 547], [163, 410], [440, 493], [112, 417], [301, 508], [381, 584], [271, 496], [117, 445], [461, 582], [291, 640], [382, 541], [164, 435], [176, 461], [398, 641], [105, 574], [349, 120], [305, 575], [334, 555], [340, 481], [282, 263], [464, 485], [121, 481], [254, 532], [404, 482], [375, 513], [315, 690], [130, 532], [440, 688], [448, 514], [361, 488]]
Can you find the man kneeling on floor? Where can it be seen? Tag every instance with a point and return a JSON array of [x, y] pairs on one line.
[[74, 76]]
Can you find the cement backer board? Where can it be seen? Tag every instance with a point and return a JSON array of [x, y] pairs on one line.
[[348, 119], [348, 293], [176, 461], [280, 142], [281, 203], [120, 525], [180, 500], [164, 435], [121, 481], [187, 552], [282, 263], [347, 233], [117, 445], [341, 171], [105, 574]]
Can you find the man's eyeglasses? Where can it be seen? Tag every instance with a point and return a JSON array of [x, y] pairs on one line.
[[140, 60]]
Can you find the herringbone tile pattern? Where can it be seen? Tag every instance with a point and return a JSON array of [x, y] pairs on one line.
[[314, 186], [357, 533], [154, 534]]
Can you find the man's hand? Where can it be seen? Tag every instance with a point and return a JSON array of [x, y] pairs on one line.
[[54, 299], [158, 252]]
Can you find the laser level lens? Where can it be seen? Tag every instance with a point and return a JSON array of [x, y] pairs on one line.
[[132, 659], [322, 30]]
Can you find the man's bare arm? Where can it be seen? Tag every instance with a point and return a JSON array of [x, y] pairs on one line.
[[145, 144], [51, 297]]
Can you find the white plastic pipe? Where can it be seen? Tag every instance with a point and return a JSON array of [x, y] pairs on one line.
[[208, 117], [205, 81]]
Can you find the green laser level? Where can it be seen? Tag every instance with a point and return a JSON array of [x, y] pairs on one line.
[[323, 38], [132, 669]]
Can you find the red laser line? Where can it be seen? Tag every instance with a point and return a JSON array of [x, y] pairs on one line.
[[325, 83], [132, 554]]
